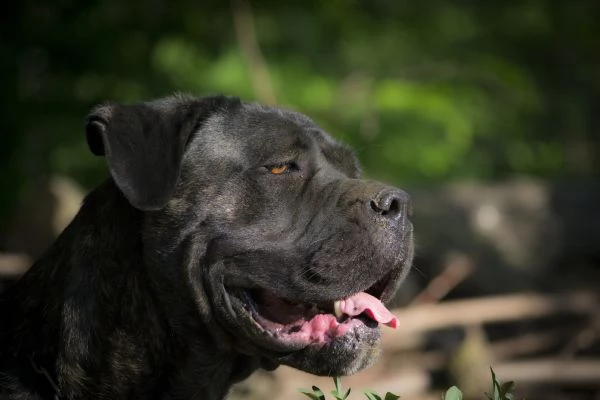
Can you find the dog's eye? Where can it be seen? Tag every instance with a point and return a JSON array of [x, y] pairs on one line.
[[280, 169]]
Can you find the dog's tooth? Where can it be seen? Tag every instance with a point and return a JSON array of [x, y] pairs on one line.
[[337, 308]]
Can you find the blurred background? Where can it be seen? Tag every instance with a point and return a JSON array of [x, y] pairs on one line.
[[488, 113]]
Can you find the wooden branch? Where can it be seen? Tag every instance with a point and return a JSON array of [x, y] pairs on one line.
[[458, 268], [500, 350], [582, 339], [427, 317], [578, 371], [528, 343]]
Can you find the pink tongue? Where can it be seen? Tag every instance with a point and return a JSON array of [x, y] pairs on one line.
[[365, 303]]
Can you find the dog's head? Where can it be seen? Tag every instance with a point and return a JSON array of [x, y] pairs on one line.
[[264, 218]]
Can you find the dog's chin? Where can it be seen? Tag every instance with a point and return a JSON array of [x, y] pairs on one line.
[[344, 355]]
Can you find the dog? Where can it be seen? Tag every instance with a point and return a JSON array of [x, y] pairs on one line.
[[230, 236]]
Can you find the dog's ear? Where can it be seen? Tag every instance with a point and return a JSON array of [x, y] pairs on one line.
[[144, 143]]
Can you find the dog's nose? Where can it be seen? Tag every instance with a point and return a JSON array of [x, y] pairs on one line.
[[392, 204]]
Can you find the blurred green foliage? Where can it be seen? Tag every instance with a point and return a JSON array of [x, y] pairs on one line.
[[425, 91]]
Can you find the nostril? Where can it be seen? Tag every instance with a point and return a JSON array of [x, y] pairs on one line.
[[391, 204], [375, 207], [393, 208]]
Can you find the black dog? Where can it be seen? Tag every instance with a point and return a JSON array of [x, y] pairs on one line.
[[231, 236]]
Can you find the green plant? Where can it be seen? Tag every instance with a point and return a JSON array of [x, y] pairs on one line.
[[338, 393], [500, 391], [453, 394], [371, 395]]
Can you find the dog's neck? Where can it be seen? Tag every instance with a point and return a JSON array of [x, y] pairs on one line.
[[99, 315]]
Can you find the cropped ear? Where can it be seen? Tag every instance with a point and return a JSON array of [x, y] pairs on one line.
[[144, 143]]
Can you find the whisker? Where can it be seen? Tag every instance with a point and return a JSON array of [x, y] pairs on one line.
[[423, 274]]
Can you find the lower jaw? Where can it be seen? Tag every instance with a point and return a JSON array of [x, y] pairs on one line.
[[320, 330], [358, 334], [343, 356]]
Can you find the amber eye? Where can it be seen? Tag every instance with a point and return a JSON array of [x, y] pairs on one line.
[[279, 169]]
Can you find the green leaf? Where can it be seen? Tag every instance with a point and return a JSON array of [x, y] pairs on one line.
[[310, 394], [506, 390], [391, 396], [500, 391], [337, 392], [318, 392], [339, 395], [453, 394], [315, 394], [347, 394], [337, 381], [372, 395]]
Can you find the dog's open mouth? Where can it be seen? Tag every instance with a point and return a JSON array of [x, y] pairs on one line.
[[316, 323]]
